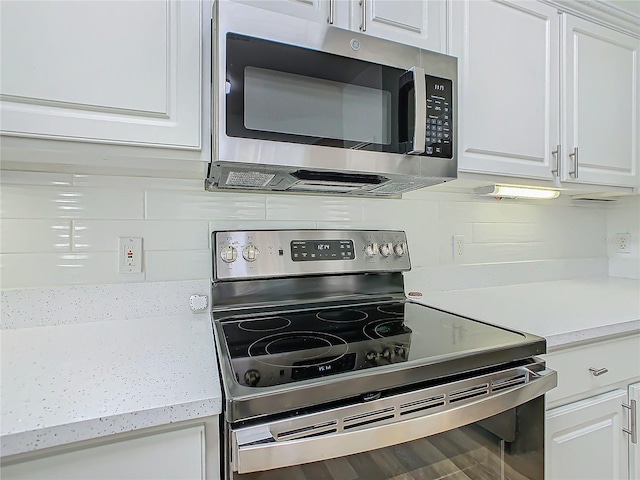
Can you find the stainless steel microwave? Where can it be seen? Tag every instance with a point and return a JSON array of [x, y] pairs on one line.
[[301, 106]]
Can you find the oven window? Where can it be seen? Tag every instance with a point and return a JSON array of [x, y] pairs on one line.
[[281, 102], [506, 446]]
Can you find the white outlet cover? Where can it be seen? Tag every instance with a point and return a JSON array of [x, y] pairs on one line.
[[623, 243], [134, 264]]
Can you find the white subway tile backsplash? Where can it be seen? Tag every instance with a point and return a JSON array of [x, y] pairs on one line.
[[22, 201], [34, 236], [491, 212], [321, 209], [478, 253], [509, 232], [24, 270], [162, 204], [457, 277], [259, 225], [178, 265], [138, 183], [63, 229], [174, 235], [8, 177]]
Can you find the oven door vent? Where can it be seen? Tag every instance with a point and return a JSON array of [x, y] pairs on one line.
[[308, 431], [424, 404], [497, 385], [368, 418], [466, 393]]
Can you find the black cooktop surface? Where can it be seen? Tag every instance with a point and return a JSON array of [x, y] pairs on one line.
[[284, 347]]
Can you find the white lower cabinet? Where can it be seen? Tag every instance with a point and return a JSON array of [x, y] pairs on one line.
[[177, 454], [585, 440], [588, 412]]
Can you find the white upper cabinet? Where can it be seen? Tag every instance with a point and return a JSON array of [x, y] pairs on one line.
[[107, 72], [601, 104], [412, 22], [508, 86]]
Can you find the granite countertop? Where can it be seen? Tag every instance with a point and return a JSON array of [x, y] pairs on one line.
[[68, 383], [62, 384], [564, 312]]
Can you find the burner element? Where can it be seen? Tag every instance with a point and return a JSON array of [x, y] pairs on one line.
[[302, 343], [391, 329], [392, 309], [268, 324], [277, 349], [344, 315]]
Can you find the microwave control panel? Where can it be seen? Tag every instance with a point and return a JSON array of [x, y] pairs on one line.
[[439, 126]]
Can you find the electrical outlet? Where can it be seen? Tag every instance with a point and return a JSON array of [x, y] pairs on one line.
[[130, 255], [622, 242], [458, 247]]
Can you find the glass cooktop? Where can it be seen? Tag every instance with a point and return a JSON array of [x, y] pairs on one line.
[[280, 348]]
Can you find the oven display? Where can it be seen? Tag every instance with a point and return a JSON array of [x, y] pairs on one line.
[[312, 250], [324, 366]]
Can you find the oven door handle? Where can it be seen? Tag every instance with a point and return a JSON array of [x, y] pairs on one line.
[[269, 454]]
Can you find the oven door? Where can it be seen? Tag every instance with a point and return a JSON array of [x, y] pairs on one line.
[[485, 428]]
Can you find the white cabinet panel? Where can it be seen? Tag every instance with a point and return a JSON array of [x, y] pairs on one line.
[[601, 103], [315, 10], [418, 23], [584, 440], [175, 455], [406, 21], [112, 72], [508, 88]]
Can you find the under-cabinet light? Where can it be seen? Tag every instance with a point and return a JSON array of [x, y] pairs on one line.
[[512, 191]]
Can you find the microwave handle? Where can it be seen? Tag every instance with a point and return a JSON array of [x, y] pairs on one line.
[[420, 109]]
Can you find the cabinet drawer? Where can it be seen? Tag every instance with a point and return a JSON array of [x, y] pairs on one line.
[[619, 357]]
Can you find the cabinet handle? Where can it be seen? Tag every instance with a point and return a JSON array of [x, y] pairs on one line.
[[363, 25], [331, 10], [633, 424], [574, 174], [596, 372], [558, 156]]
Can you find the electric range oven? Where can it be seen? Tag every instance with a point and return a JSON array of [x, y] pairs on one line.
[[330, 372]]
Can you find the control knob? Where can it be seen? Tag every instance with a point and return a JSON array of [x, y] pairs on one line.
[[252, 377], [370, 250], [250, 253], [400, 249], [228, 254], [386, 249]]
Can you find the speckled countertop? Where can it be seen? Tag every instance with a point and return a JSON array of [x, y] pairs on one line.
[[564, 312], [62, 384]]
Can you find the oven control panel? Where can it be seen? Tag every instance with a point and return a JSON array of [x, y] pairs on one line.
[[285, 253]]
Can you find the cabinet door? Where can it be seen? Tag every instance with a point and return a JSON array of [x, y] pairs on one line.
[[601, 104], [112, 72], [417, 23], [634, 448], [584, 440], [508, 86], [314, 10], [175, 455]]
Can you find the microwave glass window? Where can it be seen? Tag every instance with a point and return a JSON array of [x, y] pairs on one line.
[[287, 103]]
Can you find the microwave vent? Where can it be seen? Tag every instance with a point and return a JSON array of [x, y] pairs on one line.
[[396, 188], [249, 179]]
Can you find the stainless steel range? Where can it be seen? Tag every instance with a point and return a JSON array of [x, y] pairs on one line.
[[329, 371]]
